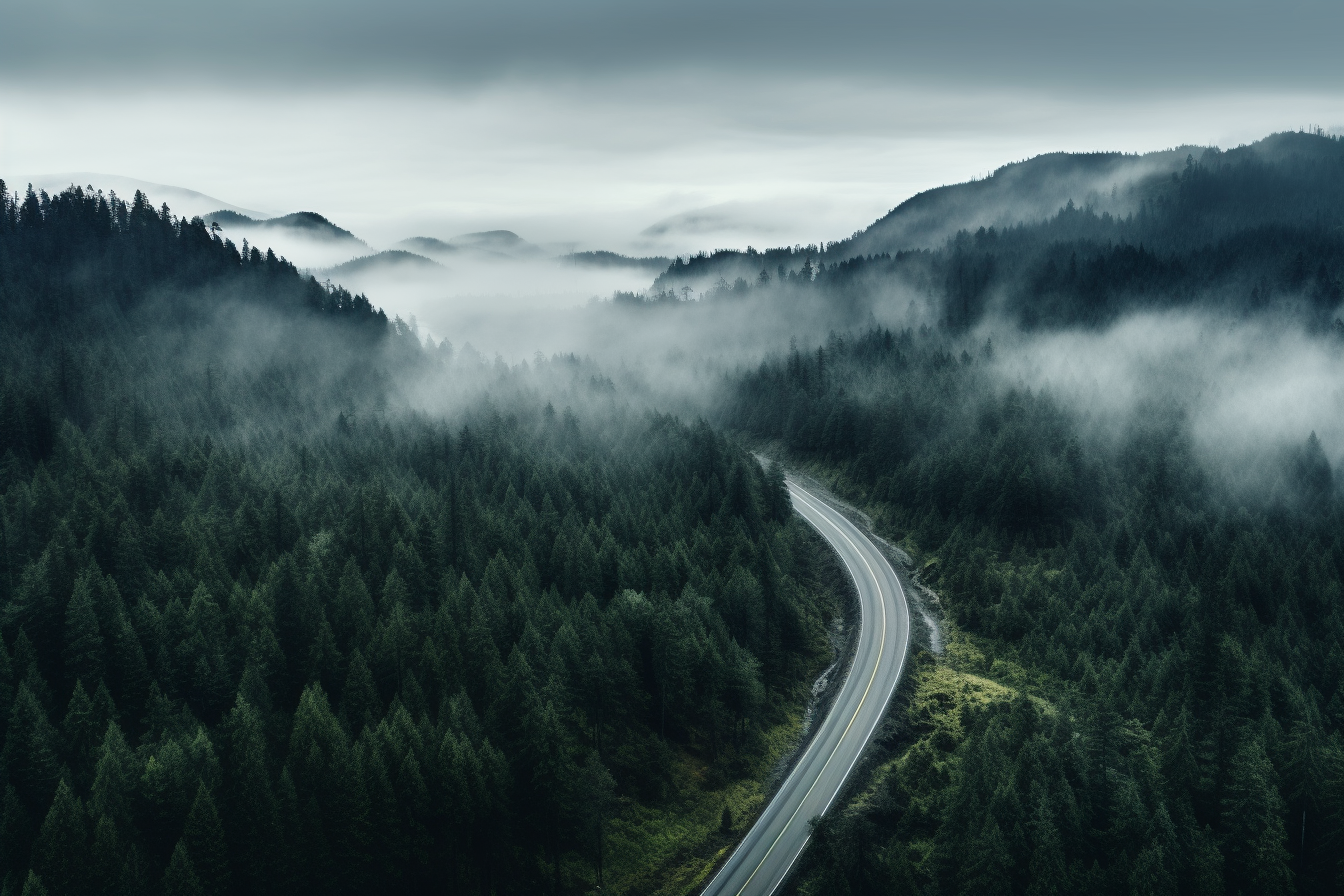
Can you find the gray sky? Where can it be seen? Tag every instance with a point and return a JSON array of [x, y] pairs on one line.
[[1163, 45], [636, 126]]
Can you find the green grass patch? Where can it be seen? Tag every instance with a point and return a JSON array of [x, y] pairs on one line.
[[671, 850]]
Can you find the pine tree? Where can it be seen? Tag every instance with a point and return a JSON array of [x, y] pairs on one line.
[[1152, 874], [987, 864], [595, 799], [16, 833], [167, 786], [253, 811], [1204, 876], [104, 709], [1179, 765], [384, 819], [83, 650], [778, 502], [129, 670], [30, 752], [204, 840], [413, 796], [1049, 874], [347, 814], [114, 780], [180, 879], [324, 658], [1252, 814], [81, 737], [305, 860], [353, 616], [201, 655], [482, 655], [130, 560], [107, 864], [254, 690], [61, 853], [361, 706], [32, 886], [7, 681]]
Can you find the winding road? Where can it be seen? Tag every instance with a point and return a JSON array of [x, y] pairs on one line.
[[763, 859]]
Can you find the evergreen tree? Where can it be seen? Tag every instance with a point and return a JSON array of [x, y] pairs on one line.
[[30, 752], [596, 800], [81, 737], [107, 864], [16, 833], [203, 838], [33, 886], [360, 705], [1049, 874], [253, 809], [61, 853], [83, 650], [988, 863], [179, 879], [1252, 815], [114, 780]]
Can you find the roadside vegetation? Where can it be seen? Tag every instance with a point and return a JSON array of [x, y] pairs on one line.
[[1145, 688]]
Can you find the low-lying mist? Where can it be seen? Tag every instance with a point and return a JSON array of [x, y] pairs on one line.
[[1247, 378], [1248, 388], [509, 305]]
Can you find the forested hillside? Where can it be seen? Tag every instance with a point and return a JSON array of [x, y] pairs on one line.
[[268, 624], [1249, 230], [295, 599], [1143, 690]]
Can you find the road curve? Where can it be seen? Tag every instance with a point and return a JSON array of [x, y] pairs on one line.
[[766, 854]]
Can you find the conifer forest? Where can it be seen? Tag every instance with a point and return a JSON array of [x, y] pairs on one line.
[[297, 596], [264, 632]]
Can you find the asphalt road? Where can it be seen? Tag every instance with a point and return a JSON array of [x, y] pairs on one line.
[[766, 854]]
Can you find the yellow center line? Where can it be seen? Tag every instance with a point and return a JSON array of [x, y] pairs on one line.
[[880, 648]]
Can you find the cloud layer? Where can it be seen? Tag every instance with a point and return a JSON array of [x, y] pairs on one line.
[[1174, 46]]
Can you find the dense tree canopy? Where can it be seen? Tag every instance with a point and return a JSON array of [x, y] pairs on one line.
[[1249, 230], [295, 599], [1145, 693], [265, 628]]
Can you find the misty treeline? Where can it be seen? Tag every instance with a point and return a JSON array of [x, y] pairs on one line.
[[266, 628], [59, 250], [1154, 699], [1251, 230]]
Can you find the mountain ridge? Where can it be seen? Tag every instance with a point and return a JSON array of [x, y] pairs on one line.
[[309, 222], [387, 259]]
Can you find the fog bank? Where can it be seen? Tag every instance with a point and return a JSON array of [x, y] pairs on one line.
[[1247, 387]]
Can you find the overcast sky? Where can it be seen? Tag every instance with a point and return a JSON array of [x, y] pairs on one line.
[[636, 126]]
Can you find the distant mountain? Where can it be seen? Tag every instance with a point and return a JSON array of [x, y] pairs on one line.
[[499, 242], [427, 245], [1034, 190], [502, 244], [490, 244], [1067, 239], [602, 259], [313, 223], [308, 223], [1020, 193], [392, 259], [227, 218]]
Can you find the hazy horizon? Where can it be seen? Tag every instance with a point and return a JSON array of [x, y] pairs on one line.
[[738, 183], [662, 129]]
